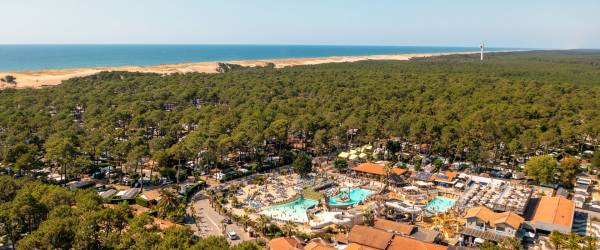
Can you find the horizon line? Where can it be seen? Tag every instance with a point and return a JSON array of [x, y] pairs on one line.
[[286, 44]]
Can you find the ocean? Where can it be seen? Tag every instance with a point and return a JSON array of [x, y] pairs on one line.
[[40, 57]]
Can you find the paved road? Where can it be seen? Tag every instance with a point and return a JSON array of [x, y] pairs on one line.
[[209, 221]]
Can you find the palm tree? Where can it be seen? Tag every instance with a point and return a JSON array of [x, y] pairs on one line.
[[245, 219], [511, 244], [261, 223], [557, 239], [211, 197], [168, 203], [288, 228], [223, 226], [387, 169], [591, 243], [573, 241], [369, 217], [488, 245], [234, 201]]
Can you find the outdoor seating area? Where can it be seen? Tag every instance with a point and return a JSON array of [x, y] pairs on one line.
[[276, 189], [359, 153], [500, 197]]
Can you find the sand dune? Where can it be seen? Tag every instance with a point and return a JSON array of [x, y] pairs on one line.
[[45, 78]]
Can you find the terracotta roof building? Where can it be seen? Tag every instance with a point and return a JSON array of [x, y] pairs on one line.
[[447, 177], [395, 227], [370, 237], [407, 230], [553, 213], [317, 246], [376, 169], [284, 243], [487, 224], [405, 243], [355, 246], [426, 235]]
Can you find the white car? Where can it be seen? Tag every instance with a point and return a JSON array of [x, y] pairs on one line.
[[232, 235]]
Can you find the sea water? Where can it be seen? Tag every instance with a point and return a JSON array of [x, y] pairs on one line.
[[39, 57]]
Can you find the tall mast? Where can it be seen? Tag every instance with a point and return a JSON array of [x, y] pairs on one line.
[[482, 46]]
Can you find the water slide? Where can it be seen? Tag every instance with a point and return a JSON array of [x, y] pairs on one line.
[[403, 207]]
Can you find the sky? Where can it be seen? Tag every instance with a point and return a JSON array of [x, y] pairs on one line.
[[502, 23]]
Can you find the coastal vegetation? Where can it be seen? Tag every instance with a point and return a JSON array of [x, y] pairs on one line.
[[8, 79], [34, 215], [545, 170], [302, 164], [228, 67], [541, 106], [572, 241], [507, 107]]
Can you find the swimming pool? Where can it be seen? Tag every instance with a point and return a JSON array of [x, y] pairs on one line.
[[292, 211], [440, 204], [356, 196]]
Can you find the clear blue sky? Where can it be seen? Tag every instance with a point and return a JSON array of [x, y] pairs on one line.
[[511, 23]]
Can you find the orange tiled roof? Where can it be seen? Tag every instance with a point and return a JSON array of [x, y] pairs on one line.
[[489, 216], [372, 168], [482, 213], [284, 243], [509, 218], [451, 175], [317, 246], [392, 226], [370, 237], [404, 243], [355, 246], [555, 210]]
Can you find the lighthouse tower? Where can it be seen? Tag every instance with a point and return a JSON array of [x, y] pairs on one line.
[[482, 47]]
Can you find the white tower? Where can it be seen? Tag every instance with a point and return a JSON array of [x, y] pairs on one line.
[[482, 47]]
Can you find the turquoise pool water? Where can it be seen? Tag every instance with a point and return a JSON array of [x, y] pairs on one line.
[[356, 195], [292, 211], [440, 204]]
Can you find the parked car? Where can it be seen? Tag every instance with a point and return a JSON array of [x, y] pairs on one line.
[[232, 235]]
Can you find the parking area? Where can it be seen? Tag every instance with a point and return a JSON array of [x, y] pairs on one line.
[[209, 222]]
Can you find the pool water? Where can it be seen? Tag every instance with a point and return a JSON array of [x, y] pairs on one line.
[[440, 204], [292, 211], [356, 196]]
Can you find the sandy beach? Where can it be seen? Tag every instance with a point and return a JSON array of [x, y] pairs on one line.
[[46, 78]]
